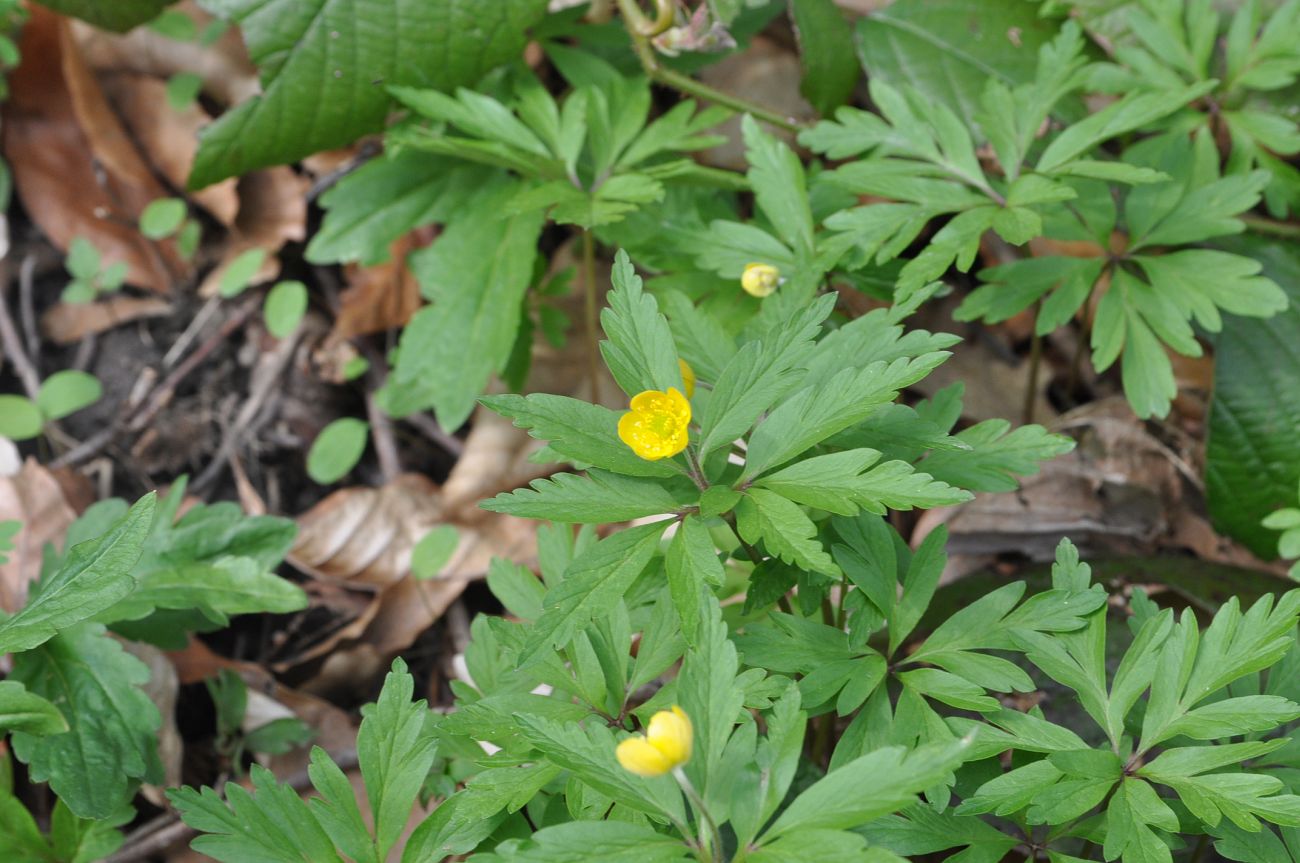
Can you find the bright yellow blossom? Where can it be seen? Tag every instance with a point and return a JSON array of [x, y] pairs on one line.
[[665, 746], [688, 377], [760, 280], [655, 428]]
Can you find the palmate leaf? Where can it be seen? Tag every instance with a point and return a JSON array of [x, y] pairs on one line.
[[597, 576], [876, 784], [639, 348], [476, 275], [997, 455], [597, 498], [111, 746], [592, 842], [581, 431], [845, 482], [270, 825], [325, 64], [764, 516]]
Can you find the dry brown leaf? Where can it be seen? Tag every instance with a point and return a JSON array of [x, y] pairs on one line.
[[994, 387], [1121, 491], [34, 497], [381, 297], [228, 75], [272, 212], [66, 323], [169, 137], [73, 166]]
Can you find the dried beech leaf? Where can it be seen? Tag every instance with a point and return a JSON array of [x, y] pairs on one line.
[[68, 323], [227, 74], [169, 137], [73, 165], [34, 497], [381, 297]]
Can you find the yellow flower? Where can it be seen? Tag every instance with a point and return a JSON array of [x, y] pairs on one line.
[[665, 746], [759, 280], [655, 428], [688, 377]]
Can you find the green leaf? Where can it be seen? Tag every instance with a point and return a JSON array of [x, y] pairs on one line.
[[218, 589], [764, 516], [815, 413], [241, 272], [593, 579], [285, 305], [1135, 110], [66, 392], [997, 455], [596, 842], [584, 432], [845, 482], [588, 752], [161, 218], [777, 176], [279, 736], [597, 498], [20, 418], [324, 63], [639, 348], [476, 274], [183, 90], [758, 374], [112, 744], [824, 846], [336, 809], [1251, 468], [86, 840], [876, 784], [692, 566], [271, 825], [25, 711], [337, 449], [92, 576], [830, 66], [395, 751], [948, 49], [466, 818], [119, 16], [83, 260], [366, 211], [1234, 716], [433, 551]]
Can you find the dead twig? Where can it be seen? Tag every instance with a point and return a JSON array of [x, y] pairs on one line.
[[12, 344]]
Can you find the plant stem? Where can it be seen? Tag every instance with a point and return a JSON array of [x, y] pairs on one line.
[[702, 811], [1035, 362], [632, 19], [589, 290], [1271, 226]]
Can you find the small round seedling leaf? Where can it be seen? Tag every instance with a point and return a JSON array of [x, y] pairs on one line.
[[83, 259], [337, 449], [78, 292], [20, 418], [240, 272], [433, 551], [162, 217], [355, 368], [67, 392], [284, 308], [175, 24], [112, 277], [187, 239], [182, 89]]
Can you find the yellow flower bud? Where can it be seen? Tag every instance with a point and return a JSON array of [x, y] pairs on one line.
[[656, 427], [665, 746], [760, 280], [688, 377]]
